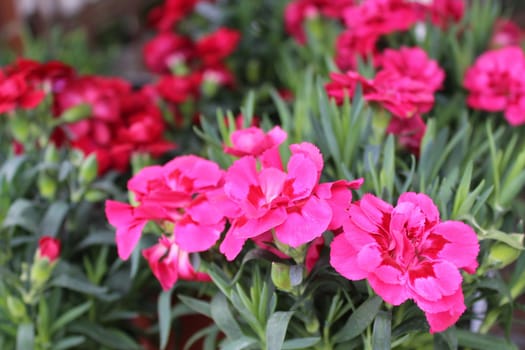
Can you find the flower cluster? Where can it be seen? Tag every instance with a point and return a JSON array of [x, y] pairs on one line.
[[496, 83], [406, 252], [120, 121], [366, 22], [188, 67], [405, 86]]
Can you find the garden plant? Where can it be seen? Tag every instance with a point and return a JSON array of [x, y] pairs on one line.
[[305, 174]]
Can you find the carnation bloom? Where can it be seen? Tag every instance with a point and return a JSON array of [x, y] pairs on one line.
[[177, 195], [407, 252], [496, 82], [16, 92], [166, 50], [350, 47], [289, 203], [253, 141], [409, 132], [169, 263], [169, 13], [48, 248], [506, 33], [444, 12], [405, 86], [215, 47]]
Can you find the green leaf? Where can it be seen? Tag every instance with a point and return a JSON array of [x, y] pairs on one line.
[[240, 343], [359, 320], [53, 218], [515, 240], [381, 335], [300, 343], [109, 337], [22, 213], [78, 284], [11, 167], [276, 329], [446, 340], [70, 315], [223, 317], [25, 337], [163, 310], [69, 342], [197, 305], [483, 341]]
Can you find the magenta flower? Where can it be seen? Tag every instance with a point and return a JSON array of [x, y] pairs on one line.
[[409, 132], [286, 202], [253, 141], [169, 263], [176, 195], [406, 252], [496, 82]]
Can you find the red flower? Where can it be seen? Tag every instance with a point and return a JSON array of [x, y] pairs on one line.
[[350, 47], [179, 89], [166, 50], [506, 33], [215, 47], [17, 92], [165, 16], [48, 248], [444, 12]]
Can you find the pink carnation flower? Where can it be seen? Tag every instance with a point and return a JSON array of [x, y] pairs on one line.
[[496, 82], [169, 263], [409, 132], [253, 141], [176, 193], [286, 202], [506, 33], [48, 248], [406, 252]]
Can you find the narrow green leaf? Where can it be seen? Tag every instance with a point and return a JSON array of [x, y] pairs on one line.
[[483, 341], [53, 218], [164, 313], [70, 315], [69, 342], [446, 340], [300, 343], [381, 336], [22, 213], [109, 337], [359, 320], [515, 240], [223, 317], [197, 305], [78, 284], [25, 337], [240, 343], [276, 329]]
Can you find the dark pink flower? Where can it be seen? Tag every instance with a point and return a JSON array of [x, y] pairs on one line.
[[169, 13], [414, 63], [48, 248], [177, 196], [374, 18], [213, 48], [272, 199], [445, 12], [506, 33], [344, 85], [254, 141], [496, 82], [409, 132], [169, 263], [406, 252], [166, 50], [179, 89], [17, 92], [350, 48]]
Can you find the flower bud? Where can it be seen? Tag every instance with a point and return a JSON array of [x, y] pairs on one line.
[[281, 276], [94, 195], [501, 255], [46, 257], [88, 169], [51, 154], [19, 128], [16, 309], [76, 113], [48, 248], [47, 185]]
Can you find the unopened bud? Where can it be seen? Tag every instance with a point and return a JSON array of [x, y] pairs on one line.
[[47, 185], [51, 154], [88, 169], [76, 113], [501, 255], [281, 276], [16, 308]]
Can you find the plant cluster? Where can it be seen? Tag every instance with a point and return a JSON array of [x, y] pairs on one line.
[[355, 181]]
